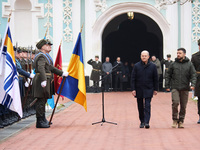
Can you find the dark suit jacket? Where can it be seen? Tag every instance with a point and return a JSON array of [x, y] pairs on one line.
[[144, 79]]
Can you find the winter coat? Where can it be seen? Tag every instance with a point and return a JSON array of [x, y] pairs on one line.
[[144, 79], [158, 65], [180, 74]]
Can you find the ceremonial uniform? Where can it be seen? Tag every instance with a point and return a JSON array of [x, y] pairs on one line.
[[43, 69], [196, 62], [96, 72]]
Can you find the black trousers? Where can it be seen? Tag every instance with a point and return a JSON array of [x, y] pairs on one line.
[[144, 109], [119, 79], [40, 107], [198, 105]]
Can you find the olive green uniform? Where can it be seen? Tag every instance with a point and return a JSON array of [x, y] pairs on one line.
[[43, 70]]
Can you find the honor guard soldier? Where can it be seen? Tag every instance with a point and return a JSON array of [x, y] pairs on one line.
[[196, 62], [96, 72], [42, 87]]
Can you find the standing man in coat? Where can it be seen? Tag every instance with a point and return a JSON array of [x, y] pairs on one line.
[[96, 72], [119, 74], [180, 74], [144, 86], [42, 83], [107, 70], [196, 62]]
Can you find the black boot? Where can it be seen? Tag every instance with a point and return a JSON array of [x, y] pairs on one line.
[[41, 124], [45, 120], [1, 122]]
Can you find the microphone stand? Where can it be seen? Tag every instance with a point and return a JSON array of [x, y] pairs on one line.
[[102, 90]]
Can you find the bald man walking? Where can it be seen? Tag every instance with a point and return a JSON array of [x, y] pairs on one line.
[[144, 86]]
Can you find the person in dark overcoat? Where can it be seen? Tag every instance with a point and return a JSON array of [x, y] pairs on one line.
[[144, 85], [42, 82], [96, 72], [196, 62]]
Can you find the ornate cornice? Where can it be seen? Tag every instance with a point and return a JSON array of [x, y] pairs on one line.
[[67, 19], [100, 5]]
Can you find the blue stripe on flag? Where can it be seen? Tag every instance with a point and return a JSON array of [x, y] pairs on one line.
[[7, 100], [78, 48], [71, 84]]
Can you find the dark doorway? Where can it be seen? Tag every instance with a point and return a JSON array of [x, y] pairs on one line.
[[127, 38]]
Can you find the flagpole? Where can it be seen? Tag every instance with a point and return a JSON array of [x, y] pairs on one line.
[[62, 84], [9, 16], [46, 32]]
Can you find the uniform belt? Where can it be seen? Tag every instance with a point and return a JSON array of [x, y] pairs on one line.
[[166, 68], [48, 74], [21, 75], [96, 69], [198, 72]]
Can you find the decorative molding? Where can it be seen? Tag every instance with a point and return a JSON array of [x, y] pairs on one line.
[[100, 5], [196, 21], [6, 9], [48, 15], [67, 19], [160, 4]]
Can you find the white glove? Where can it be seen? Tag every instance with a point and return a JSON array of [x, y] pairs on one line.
[[44, 84], [28, 80], [26, 84], [65, 74], [32, 75]]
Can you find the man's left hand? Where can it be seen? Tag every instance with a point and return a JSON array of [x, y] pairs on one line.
[[192, 87], [155, 92]]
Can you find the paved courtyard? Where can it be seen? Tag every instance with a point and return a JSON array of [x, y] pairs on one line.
[[72, 127]]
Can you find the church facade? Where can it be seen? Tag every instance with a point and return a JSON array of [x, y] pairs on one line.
[[159, 26]]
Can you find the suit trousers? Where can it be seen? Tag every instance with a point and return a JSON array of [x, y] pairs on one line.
[[119, 79], [144, 109], [179, 97], [198, 106], [40, 107]]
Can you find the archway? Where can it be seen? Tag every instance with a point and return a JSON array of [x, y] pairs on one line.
[[127, 38]]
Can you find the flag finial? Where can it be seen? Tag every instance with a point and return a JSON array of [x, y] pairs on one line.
[[82, 27], [9, 15]]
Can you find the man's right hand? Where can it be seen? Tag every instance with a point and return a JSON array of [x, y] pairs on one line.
[[167, 90], [44, 84], [134, 93]]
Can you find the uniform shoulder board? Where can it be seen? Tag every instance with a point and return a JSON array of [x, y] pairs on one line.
[[195, 53]]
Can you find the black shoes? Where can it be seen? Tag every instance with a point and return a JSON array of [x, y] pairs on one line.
[[198, 122], [147, 126], [141, 125]]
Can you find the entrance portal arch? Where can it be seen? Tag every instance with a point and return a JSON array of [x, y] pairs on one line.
[[122, 8]]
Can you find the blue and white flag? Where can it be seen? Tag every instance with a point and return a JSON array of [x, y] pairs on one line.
[[9, 84]]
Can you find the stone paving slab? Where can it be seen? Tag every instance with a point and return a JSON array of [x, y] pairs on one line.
[[72, 128]]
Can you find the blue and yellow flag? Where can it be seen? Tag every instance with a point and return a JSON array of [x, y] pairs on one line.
[[74, 87], [9, 84]]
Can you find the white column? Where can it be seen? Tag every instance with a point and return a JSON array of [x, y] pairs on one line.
[[186, 27], [57, 25], [172, 18], [90, 18], [76, 13]]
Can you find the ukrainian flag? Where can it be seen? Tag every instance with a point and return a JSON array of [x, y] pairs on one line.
[[9, 84], [74, 86]]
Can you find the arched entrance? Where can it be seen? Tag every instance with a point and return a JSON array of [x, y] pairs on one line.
[[127, 38], [120, 9]]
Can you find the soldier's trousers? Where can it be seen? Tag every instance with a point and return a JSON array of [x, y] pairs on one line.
[[40, 107], [179, 97]]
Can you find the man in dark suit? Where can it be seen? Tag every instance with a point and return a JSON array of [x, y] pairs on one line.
[[144, 86], [196, 62], [119, 74]]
